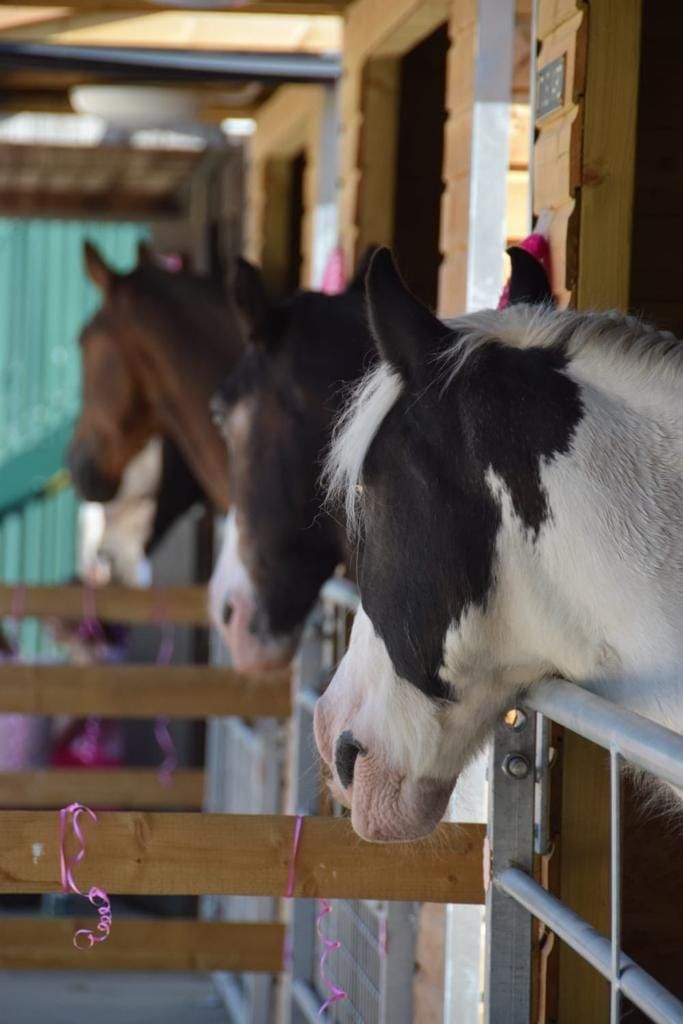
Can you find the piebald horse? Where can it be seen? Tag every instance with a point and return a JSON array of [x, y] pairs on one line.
[[514, 480], [152, 358]]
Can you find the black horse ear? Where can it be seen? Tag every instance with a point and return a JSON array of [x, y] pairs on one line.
[[251, 298], [357, 282], [407, 334], [528, 279], [96, 269]]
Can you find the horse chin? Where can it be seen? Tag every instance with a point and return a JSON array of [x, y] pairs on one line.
[[387, 807]]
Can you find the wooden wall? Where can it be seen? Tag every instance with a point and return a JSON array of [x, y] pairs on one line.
[[288, 126]]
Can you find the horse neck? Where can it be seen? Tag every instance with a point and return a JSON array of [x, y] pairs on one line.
[[180, 379]]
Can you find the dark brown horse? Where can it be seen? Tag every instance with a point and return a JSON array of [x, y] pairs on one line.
[[278, 406], [152, 357]]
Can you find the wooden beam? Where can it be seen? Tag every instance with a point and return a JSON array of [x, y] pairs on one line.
[[186, 606], [141, 691], [609, 154], [119, 205], [243, 855], [38, 943], [239, 31], [309, 7], [132, 788]]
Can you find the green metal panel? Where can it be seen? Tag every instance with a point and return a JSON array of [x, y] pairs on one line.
[[45, 299]]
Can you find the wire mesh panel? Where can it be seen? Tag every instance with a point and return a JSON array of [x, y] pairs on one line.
[[244, 776], [375, 961]]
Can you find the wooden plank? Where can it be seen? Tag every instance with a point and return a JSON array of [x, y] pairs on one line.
[[38, 943], [185, 606], [142, 691], [132, 788], [148, 6], [237, 31], [243, 855], [609, 143], [584, 874]]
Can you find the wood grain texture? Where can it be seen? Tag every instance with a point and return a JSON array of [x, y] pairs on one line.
[[132, 788], [38, 943], [609, 148], [185, 605], [142, 691], [194, 854]]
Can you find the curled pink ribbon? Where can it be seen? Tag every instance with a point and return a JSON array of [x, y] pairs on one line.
[[96, 896], [162, 732], [336, 993]]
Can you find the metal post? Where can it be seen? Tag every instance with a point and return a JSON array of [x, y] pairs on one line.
[[510, 836]]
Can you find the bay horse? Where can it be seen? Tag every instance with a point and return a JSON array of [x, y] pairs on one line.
[[514, 480], [152, 357], [277, 409]]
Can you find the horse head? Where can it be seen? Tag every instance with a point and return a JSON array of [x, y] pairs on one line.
[[442, 443], [276, 410], [117, 418]]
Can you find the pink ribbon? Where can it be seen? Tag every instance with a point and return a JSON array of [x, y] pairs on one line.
[[68, 816], [162, 732], [336, 993]]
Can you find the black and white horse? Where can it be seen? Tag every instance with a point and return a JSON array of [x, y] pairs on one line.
[[515, 481]]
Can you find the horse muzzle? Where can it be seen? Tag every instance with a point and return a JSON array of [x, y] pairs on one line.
[[88, 479]]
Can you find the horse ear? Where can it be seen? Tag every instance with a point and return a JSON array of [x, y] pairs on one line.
[[405, 331], [145, 255], [357, 282], [528, 279], [251, 297], [95, 267]]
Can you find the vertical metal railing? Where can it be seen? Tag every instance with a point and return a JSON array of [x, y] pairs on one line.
[[514, 896]]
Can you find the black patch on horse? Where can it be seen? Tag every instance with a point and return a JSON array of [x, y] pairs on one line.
[[430, 520]]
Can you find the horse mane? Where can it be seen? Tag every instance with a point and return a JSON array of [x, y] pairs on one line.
[[611, 335], [617, 339]]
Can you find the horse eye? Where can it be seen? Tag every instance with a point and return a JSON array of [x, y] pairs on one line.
[[359, 490]]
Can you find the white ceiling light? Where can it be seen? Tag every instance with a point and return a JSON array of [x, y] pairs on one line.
[[135, 107]]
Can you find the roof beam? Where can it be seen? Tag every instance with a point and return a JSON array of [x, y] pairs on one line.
[[172, 65]]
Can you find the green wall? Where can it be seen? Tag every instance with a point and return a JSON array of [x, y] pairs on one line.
[[45, 299]]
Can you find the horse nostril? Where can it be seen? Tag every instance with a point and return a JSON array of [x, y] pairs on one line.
[[227, 613], [345, 753]]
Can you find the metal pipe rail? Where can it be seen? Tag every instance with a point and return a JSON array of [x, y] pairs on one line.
[[635, 983], [640, 741]]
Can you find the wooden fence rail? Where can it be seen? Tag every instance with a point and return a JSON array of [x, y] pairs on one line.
[[193, 854], [130, 691], [41, 943], [131, 788], [181, 605]]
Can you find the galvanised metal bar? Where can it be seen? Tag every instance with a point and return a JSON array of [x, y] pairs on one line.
[[638, 740], [510, 835], [615, 886], [642, 989], [176, 64]]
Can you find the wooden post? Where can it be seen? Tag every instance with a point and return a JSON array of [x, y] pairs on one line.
[[141, 691], [39, 943], [185, 606], [242, 855], [132, 788], [584, 170]]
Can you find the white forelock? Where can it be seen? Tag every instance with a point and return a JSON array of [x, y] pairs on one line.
[[373, 398]]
